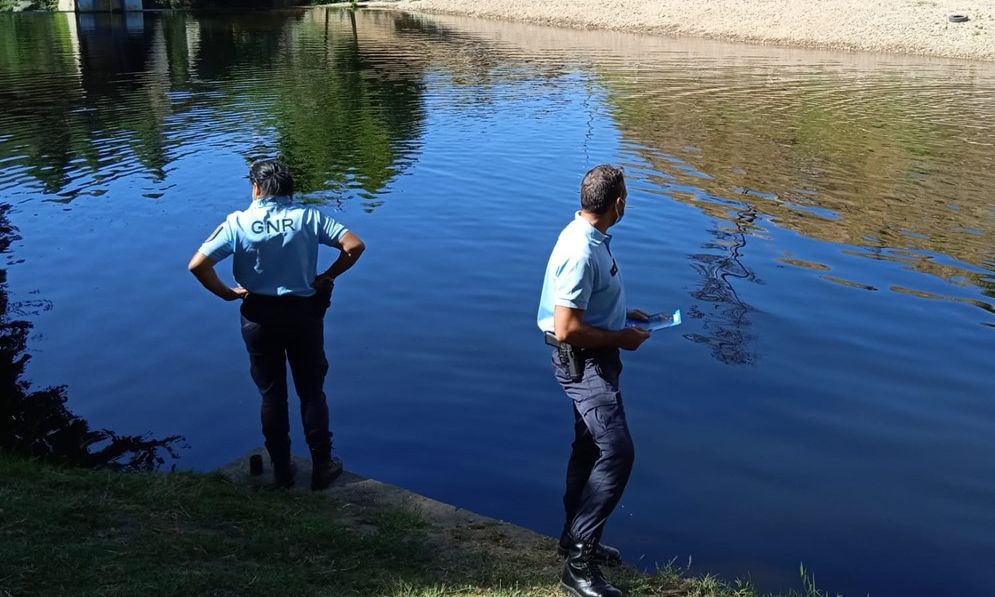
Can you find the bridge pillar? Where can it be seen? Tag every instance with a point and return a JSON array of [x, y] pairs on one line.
[[104, 5]]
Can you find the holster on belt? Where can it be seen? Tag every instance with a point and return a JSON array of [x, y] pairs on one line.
[[322, 299], [571, 356]]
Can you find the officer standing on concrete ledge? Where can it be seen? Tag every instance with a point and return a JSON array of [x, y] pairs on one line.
[[582, 313], [275, 244]]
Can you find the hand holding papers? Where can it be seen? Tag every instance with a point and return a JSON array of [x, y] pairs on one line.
[[657, 321]]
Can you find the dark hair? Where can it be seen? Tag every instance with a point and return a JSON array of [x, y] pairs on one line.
[[273, 178], [600, 188]]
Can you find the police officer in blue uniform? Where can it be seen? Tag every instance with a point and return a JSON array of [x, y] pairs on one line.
[[275, 247], [582, 312]]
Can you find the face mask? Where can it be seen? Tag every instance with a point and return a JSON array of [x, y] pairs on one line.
[[618, 214]]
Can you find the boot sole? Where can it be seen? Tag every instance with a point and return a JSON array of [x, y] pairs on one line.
[[568, 590]]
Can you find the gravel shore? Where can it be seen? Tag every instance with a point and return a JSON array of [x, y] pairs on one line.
[[899, 26]]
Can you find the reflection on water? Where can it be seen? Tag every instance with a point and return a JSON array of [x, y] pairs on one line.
[[36, 423], [897, 159], [726, 327], [354, 128], [826, 219], [121, 86]]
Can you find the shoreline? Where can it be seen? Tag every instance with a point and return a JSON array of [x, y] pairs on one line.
[[910, 27], [225, 533]]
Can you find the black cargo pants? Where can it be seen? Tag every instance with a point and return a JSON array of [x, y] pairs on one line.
[[603, 453], [278, 330]]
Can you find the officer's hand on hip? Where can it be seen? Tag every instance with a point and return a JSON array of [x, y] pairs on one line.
[[237, 293], [632, 338], [322, 282]]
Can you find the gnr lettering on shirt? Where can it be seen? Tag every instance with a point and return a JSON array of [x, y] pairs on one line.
[[279, 226]]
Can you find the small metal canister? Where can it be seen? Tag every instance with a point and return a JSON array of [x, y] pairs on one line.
[[255, 465]]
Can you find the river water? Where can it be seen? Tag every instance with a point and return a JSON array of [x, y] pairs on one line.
[[825, 221]]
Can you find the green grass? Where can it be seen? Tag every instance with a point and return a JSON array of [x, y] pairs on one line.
[[70, 531]]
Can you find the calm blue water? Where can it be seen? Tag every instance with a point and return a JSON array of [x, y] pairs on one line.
[[825, 221]]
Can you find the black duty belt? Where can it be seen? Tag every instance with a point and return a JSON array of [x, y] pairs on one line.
[[283, 299], [573, 357], [317, 303]]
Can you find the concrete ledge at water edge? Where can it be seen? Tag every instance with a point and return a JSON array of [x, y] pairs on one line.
[[443, 520]]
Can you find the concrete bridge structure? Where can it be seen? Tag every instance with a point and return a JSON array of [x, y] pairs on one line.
[[100, 5]]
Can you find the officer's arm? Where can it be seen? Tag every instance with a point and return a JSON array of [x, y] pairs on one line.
[[569, 327], [202, 268], [351, 247]]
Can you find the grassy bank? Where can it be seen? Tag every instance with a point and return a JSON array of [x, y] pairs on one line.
[[70, 531]]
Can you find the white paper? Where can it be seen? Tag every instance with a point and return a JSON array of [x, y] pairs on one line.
[[658, 321]]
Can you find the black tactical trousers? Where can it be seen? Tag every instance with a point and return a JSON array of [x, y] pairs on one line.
[[602, 454], [278, 330]]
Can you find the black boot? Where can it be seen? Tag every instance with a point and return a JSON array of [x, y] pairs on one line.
[[581, 576], [603, 554], [324, 471], [283, 473], [283, 464]]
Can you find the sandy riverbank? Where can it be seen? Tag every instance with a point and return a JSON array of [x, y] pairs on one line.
[[899, 26]]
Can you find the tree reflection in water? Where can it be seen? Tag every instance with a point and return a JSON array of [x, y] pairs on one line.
[[726, 326], [36, 423], [134, 94]]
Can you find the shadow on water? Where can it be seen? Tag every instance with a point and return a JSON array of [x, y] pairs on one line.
[[37, 424], [726, 325]]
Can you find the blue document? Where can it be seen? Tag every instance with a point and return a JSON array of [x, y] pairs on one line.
[[658, 321]]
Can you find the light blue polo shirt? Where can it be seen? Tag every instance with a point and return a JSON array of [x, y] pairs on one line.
[[582, 274], [275, 243]]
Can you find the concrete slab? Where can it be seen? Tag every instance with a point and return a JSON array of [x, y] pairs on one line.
[[449, 527]]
